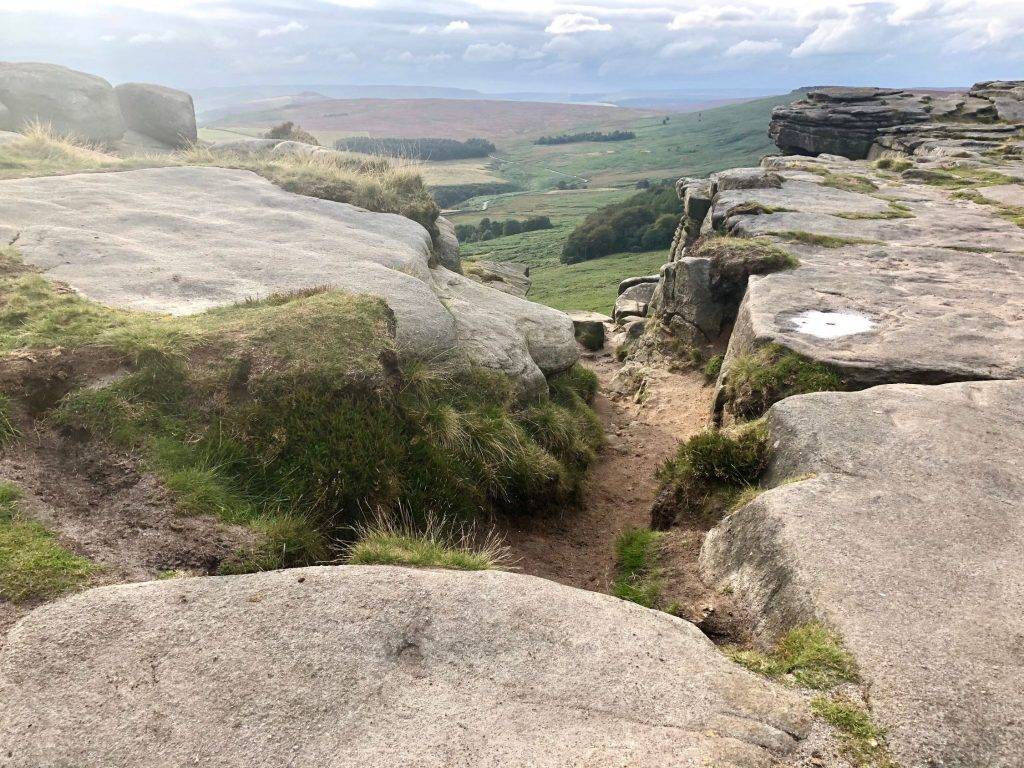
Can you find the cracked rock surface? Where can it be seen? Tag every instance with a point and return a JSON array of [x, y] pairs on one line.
[[905, 536], [378, 666]]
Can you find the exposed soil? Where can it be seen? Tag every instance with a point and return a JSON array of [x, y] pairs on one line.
[[577, 547], [105, 507]]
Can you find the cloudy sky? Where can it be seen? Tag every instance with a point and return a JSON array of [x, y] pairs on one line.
[[524, 45]]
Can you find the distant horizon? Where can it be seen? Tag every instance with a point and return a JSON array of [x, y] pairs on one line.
[[754, 47]]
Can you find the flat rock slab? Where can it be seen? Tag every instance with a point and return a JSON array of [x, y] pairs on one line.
[[377, 666], [1007, 194], [182, 240], [937, 282], [908, 540]]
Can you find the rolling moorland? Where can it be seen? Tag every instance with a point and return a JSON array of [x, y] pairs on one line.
[[667, 146]]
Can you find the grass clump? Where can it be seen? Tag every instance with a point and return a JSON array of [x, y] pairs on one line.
[[713, 367], [848, 182], [430, 543], [755, 209], [8, 431], [862, 742], [740, 257], [823, 241], [296, 440], [638, 575], [758, 379], [709, 472], [894, 164], [896, 211], [811, 656], [33, 565]]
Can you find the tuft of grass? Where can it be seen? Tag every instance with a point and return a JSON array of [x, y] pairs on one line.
[[894, 164], [849, 182], [33, 565], [753, 208], [811, 656], [823, 241], [862, 742], [710, 471], [735, 256], [638, 575], [713, 367], [896, 211], [432, 543], [757, 380], [958, 178], [8, 430]]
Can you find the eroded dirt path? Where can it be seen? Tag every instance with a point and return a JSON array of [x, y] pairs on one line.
[[577, 547]]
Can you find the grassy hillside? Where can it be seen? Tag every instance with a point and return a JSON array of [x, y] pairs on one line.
[[692, 144]]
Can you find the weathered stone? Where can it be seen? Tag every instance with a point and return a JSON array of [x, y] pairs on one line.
[[1005, 194], [629, 282], [73, 103], [504, 276], [847, 121], [633, 301], [377, 666], [1006, 95], [745, 178], [589, 328], [162, 113], [155, 240], [907, 539], [447, 246]]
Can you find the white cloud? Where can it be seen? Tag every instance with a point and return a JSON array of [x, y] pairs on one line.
[[570, 23], [710, 18], [456, 26], [490, 52], [282, 29], [752, 47], [408, 57], [861, 29], [146, 38], [108, 38]]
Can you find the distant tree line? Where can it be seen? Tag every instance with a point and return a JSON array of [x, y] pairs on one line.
[[488, 230], [418, 149], [572, 138], [644, 222], [450, 195], [291, 132]]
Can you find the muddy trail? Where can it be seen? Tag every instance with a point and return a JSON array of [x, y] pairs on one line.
[[577, 546]]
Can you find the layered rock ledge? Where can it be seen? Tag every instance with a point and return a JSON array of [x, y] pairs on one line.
[[183, 239], [848, 121], [378, 666], [905, 533]]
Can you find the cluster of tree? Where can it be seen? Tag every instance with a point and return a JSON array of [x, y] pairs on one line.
[[644, 222], [571, 184], [488, 230], [291, 132], [418, 149], [449, 195], [572, 138]]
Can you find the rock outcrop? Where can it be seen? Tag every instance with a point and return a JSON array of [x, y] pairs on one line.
[[504, 276], [906, 535], [378, 666], [72, 102], [155, 240], [87, 108], [161, 113], [847, 121]]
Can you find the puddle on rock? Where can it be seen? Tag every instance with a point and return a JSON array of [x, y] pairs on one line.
[[831, 325]]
